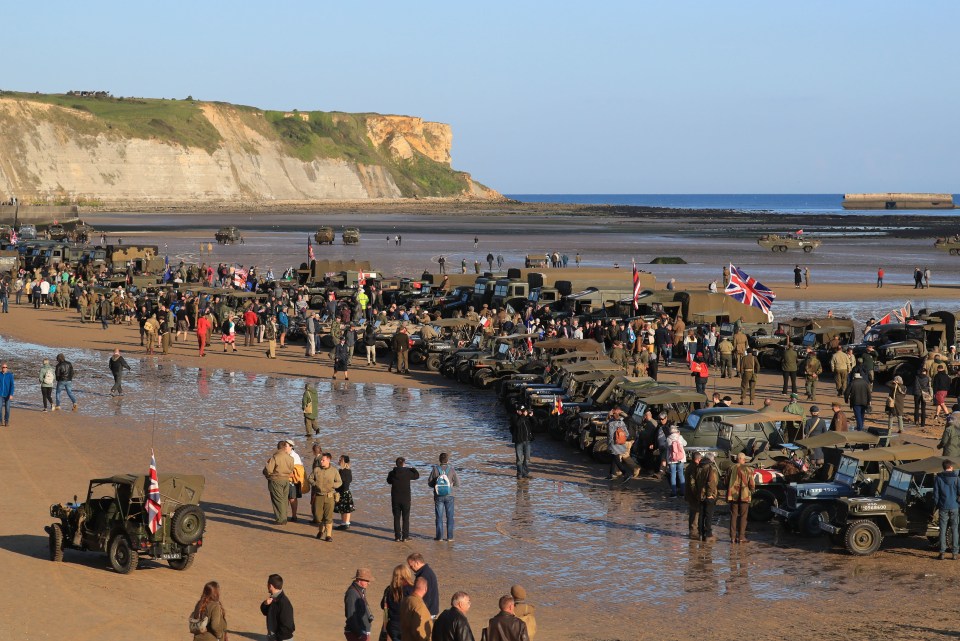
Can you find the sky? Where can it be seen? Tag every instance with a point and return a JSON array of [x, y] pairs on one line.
[[557, 97]]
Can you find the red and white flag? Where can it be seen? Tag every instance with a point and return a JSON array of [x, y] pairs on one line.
[[904, 313], [154, 514], [884, 321], [636, 286], [558, 406], [310, 256]]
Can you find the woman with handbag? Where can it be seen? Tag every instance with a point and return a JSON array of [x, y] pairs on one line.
[[208, 621], [401, 586], [922, 394], [898, 392]]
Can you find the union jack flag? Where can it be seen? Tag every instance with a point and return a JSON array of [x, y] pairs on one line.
[[558, 406], [905, 312], [154, 515], [636, 285], [748, 290], [310, 255]]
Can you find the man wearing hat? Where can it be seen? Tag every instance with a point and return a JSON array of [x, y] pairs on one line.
[[523, 610], [859, 396], [749, 368], [815, 425], [794, 407], [356, 608], [279, 471]]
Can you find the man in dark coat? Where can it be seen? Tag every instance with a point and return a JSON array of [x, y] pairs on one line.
[[421, 570], [858, 395], [452, 624], [356, 609], [839, 421], [522, 436], [401, 348], [399, 479], [117, 364], [278, 610], [506, 626]]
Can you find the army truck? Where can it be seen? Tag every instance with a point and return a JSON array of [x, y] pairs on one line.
[[905, 508], [901, 348], [351, 236], [228, 236], [113, 520], [783, 242], [324, 236], [858, 473]]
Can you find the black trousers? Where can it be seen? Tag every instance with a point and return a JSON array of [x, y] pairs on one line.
[[706, 517], [401, 511], [790, 377]]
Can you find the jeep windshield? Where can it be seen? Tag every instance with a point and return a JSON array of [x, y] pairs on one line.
[[847, 470], [899, 486]]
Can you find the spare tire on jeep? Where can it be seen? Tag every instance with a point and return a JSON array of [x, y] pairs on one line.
[[187, 524]]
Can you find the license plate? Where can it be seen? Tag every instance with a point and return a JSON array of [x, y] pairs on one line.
[[172, 555]]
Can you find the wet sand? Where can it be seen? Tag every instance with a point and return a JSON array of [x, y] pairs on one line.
[[599, 561]]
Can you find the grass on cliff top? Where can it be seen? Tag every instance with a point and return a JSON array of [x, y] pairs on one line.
[[342, 135], [173, 121]]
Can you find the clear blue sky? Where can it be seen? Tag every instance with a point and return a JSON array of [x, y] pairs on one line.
[[557, 97]]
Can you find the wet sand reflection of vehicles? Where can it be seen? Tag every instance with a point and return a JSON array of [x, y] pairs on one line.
[[783, 242]]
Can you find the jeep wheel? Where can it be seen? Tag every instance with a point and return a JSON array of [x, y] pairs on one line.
[[187, 524], [863, 538], [56, 542], [761, 506], [123, 558], [433, 363], [182, 563], [808, 524], [483, 379], [464, 374]]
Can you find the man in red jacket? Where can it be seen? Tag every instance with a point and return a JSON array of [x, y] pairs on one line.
[[249, 323], [203, 332]]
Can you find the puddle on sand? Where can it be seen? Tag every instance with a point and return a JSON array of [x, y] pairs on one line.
[[602, 542]]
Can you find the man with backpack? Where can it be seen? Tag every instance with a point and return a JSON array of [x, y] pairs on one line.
[[617, 437], [443, 478]]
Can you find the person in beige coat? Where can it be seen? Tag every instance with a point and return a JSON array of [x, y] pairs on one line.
[[210, 609], [279, 471]]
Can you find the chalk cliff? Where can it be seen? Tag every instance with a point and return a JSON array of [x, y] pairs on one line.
[[63, 148]]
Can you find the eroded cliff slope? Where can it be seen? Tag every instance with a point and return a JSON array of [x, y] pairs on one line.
[[63, 148]]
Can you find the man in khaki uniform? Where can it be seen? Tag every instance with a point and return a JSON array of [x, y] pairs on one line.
[[279, 471], [310, 405], [749, 369], [324, 480], [811, 371], [740, 486], [840, 365], [82, 305], [740, 343], [726, 357], [150, 327], [270, 335]]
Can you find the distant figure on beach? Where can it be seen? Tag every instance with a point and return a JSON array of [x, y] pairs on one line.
[[926, 277], [443, 264], [806, 277], [463, 265], [476, 241], [917, 278], [726, 275], [6, 392], [880, 277], [577, 259], [499, 261], [797, 277], [490, 261]]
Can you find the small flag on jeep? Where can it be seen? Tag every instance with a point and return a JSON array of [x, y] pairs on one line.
[[154, 514]]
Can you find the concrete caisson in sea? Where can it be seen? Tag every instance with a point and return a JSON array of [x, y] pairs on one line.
[[898, 201]]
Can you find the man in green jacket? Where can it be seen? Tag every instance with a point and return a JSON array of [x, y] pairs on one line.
[[310, 405], [789, 367], [279, 471], [950, 441], [793, 430], [812, 368]]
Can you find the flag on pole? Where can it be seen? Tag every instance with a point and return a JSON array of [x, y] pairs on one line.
[[310, 255], [636, 286], [884, 321], [748, 290], [799, 232], [558, 406], [154, 514], [904, 312]]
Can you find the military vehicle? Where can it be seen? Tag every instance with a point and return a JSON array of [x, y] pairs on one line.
[[905, 508], [56, 231], [536, 261], [452, 334], [82, 233], [351, 236], [6, 233], [228, 236], [783, 242], [27, 232], [804, 334], [324, 236], [113, 520], [902, 347], [951, 244], [858, 473]]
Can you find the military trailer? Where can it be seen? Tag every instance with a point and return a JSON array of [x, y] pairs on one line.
[[228, 236], [905, 508], [351, 236], [324, 236], [783, 242], [113, 520]]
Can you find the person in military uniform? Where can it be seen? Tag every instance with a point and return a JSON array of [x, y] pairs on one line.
[[310, 405], [401, 347], [740, 343], [270, 335], [279, 471], [740, 486], [324, 480], [840, 365], [618, 355], [788, 365], [692, 495], [749, 369], [811, 371], [706, 488], [726, 357], [82, 305], [151, 327], [793, 430]]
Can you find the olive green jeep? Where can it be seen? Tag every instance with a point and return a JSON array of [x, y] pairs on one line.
[[113, 520]]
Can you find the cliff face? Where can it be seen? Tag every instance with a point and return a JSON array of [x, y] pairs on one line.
[[179, 151]]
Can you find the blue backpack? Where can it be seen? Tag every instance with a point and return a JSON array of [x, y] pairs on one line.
[[442, 486]]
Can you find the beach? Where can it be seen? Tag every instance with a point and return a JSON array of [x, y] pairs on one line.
[[599, 561]]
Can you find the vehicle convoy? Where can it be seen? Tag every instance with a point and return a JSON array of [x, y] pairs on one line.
[[902, 347], [783, 242], [324, 236], [113, 520], [228, 236], [858, 473], [351, 236], [905, 508]]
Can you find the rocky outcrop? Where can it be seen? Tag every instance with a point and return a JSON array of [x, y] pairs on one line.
[[52, 152]]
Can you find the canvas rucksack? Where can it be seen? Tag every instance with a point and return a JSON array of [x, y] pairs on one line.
[[677, 453], [48, 376], [442, 486], [620, 436]]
